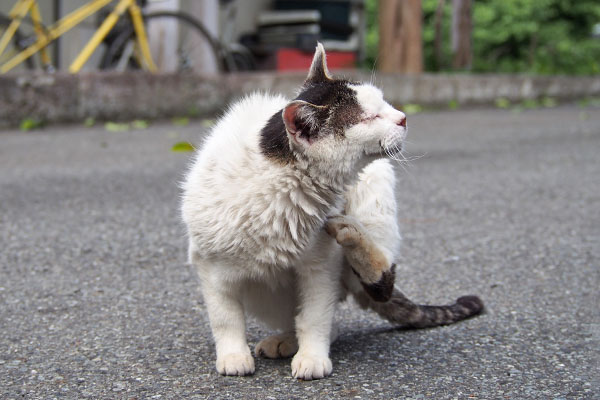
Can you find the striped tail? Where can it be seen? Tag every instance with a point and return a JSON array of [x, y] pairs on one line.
[[400, 311]]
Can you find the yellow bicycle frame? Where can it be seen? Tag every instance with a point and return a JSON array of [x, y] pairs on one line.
[[46, 36]]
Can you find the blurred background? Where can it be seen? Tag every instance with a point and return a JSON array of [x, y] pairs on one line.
[[407, 36], [425, 53]]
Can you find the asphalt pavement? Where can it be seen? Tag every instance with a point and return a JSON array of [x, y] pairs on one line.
[[97, 301]]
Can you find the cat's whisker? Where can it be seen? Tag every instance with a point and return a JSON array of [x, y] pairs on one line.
[[414, 157]]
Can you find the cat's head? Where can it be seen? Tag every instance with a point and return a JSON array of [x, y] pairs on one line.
[[335, 119]]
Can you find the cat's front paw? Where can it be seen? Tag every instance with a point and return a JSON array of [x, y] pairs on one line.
[[239, 364], [311, 366], [345, 229]]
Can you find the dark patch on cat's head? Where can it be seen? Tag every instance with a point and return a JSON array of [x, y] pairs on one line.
[[324, 106], [274, 142]]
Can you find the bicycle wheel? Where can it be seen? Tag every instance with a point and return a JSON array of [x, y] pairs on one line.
[[164, 28], [18, 43]]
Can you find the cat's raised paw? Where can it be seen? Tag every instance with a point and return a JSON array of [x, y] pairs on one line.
[[346, 230], [283, 345], [236, 364], [311, 366]]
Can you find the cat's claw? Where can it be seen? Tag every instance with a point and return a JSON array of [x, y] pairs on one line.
[[235, 364], [311, 366]]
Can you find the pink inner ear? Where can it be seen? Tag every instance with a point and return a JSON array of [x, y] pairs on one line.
[[289, 117]]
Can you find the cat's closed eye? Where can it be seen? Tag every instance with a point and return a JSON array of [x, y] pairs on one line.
[[370, 118]]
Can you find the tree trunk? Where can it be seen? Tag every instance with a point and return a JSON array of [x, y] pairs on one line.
[[461, 34], [400, 42]]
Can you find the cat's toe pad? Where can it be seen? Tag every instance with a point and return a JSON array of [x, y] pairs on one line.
[[346, 230], [277, 346], [311, 366], [235, 364]]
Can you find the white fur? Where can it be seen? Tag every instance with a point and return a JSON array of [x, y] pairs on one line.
[[256, 232], [379, 117]]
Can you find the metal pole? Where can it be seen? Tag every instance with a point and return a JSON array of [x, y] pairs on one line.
[[57, 11]]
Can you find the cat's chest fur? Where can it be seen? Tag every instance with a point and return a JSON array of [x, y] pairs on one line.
[[245, 207]]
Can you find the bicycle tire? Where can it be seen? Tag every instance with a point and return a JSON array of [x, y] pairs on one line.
[[17, 42], [116, 52]]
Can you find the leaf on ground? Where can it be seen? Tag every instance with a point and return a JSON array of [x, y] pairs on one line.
[[502, 102], [181, 121], [139, 124], [29, 124], [549, 102], [116, 126], [410, 109], [89, 122], [530, 104], [182, 147], [207, 123]]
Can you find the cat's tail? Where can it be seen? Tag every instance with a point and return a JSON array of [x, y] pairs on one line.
[[400, 311]]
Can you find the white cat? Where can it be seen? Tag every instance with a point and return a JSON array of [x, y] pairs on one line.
[[289, 207]]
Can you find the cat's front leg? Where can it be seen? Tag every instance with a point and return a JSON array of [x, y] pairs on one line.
[[318, 285], [228, 324]]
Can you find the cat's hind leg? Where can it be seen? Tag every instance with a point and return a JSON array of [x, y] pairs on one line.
[[275, 306], [282, 345]]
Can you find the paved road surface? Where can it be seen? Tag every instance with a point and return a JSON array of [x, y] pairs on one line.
[[96, 300]]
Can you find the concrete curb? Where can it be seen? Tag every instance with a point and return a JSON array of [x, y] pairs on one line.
[[62, 97]]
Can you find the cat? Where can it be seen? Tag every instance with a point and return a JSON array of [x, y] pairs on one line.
[[289, 207]]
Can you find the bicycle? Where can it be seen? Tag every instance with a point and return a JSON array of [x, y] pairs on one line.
[[229, 55], [126, 42]]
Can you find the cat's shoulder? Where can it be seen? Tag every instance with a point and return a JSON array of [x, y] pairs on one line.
[[253, 110]]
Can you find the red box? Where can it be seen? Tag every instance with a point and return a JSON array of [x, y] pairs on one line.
[[296, 60]]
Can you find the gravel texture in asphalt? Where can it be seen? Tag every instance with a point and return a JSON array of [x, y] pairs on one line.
[[96, 299]]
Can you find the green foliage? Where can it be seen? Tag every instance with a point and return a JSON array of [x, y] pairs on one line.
[[536, 36], [372, 34], [513, 36]]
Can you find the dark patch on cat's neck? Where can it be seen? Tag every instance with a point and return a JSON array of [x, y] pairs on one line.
[[274, 141]]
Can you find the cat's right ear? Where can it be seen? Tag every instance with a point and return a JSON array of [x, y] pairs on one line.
[[302, 121], [318, 71]]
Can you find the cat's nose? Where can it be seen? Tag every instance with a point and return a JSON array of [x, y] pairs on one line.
[[401, 122]]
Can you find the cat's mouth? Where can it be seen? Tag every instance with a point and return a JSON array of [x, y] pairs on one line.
[[391, 148]]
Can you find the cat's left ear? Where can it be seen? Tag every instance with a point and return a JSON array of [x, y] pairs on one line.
[[318, 69], [302, 121]]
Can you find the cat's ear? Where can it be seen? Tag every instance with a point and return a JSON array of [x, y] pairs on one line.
[[302, 121], [318, 69]]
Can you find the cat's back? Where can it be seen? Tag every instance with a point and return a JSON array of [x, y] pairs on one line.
[[238, 131]]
